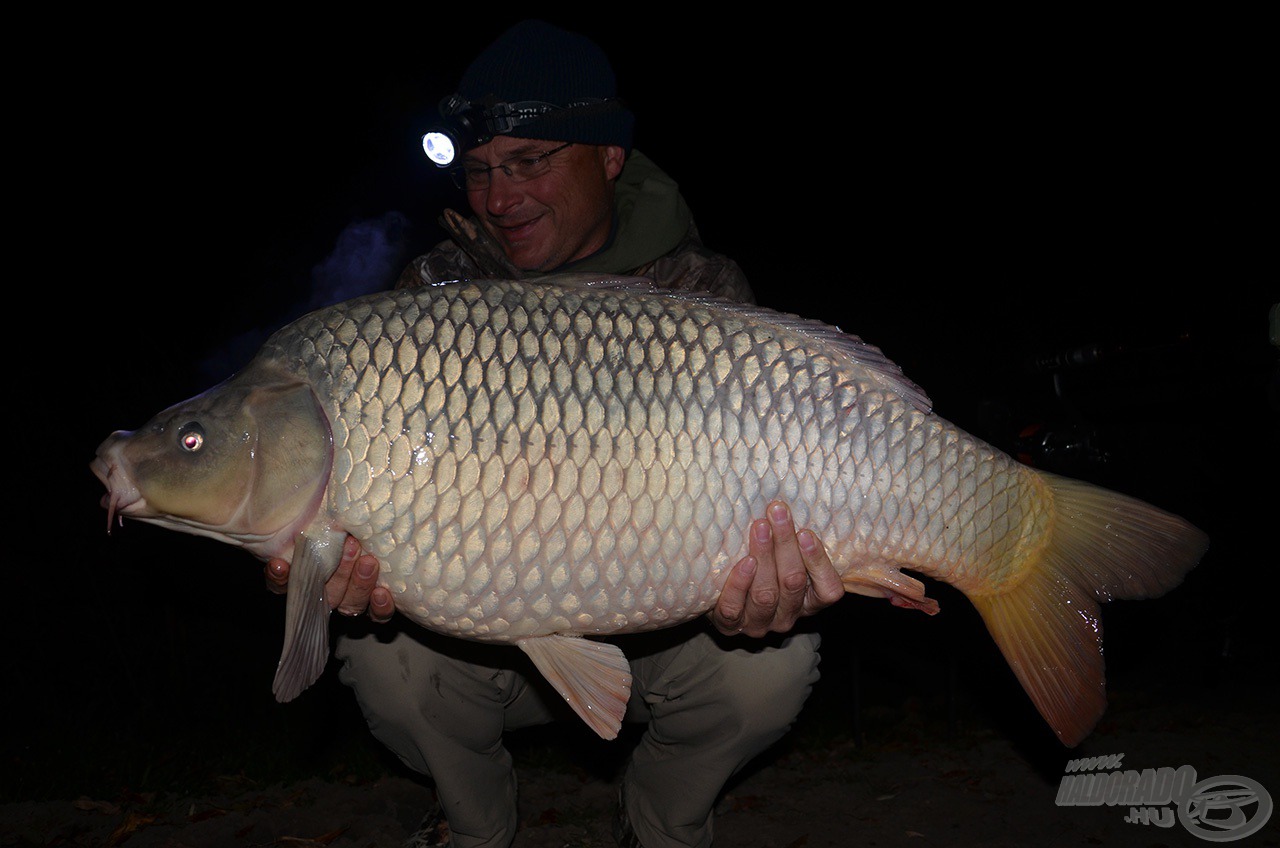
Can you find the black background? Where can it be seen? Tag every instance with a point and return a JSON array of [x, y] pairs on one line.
[[981, 198]]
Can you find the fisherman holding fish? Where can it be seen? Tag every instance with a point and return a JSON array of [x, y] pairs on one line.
[[549, 461], [542, 148]]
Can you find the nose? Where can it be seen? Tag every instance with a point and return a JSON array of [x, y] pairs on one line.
[[503, 193]]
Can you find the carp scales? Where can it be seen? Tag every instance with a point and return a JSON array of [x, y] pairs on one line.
[[546, 464]]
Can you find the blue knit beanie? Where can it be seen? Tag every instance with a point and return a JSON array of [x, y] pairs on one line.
[[535, 61]]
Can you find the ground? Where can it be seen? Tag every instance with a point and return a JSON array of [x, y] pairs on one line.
[[919, 772]]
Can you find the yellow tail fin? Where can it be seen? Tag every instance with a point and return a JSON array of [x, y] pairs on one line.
[[1104, 545]]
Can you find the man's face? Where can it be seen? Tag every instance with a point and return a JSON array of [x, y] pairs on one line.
[[557, 217]]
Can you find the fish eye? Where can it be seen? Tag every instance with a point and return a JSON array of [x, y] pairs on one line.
[[191, 436]]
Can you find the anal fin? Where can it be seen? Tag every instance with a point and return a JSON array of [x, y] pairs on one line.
[[593, 677], [885, 580]]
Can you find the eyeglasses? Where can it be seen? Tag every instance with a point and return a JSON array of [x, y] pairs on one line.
[[474, 176]]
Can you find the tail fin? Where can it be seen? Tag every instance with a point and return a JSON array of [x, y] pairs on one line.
[[1104, 545]]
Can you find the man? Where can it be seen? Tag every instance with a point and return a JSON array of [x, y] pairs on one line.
[[557, 188]]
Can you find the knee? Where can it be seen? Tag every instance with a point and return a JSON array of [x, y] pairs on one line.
[[416, 699], [405, 682], [773, 688], [382, 674]]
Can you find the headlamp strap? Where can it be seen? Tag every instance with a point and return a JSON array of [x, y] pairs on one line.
[[501, 117]]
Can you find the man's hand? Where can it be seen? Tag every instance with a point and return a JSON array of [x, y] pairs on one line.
[[785, 575], [351, 589]]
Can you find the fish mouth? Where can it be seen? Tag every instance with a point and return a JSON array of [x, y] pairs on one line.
[[122, 497]]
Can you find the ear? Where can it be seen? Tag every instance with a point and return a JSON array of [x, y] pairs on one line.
[[614, 158]]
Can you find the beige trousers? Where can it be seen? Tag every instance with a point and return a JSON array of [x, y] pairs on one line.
[[711, 704]]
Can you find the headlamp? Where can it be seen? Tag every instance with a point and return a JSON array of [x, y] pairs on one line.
[[465, 125], [439, 147]]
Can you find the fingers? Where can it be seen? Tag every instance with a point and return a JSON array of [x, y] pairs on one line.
[[727, 614], [762, 597], [340, 592], [381, 605], [363, 570], [350, 590], [778, 594], [824, 586], [361, 591], [786, 575], [792, 576], [765, 592]]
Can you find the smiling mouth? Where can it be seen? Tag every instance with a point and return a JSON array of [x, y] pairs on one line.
[[517, 229]]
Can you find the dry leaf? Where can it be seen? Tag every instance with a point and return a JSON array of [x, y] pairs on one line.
[[315, 842], [91, 806], [132, 822]]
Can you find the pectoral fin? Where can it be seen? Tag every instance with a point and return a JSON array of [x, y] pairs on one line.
[[594, 677], [306, 621]]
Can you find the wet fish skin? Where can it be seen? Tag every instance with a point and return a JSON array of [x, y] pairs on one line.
[[537, 463]]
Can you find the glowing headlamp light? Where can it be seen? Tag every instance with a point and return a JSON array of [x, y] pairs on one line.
[[439, 147]]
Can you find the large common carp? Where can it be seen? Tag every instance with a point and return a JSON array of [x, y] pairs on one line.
[[535, 464]]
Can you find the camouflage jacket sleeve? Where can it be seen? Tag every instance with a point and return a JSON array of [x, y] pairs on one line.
[[445, 262], [694, 267], [470, 253]]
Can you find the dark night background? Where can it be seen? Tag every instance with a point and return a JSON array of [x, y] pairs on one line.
[[989, 201]]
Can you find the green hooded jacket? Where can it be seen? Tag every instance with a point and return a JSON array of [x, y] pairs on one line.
[[654, 236]]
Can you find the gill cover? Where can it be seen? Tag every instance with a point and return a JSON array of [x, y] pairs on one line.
[[246, 461]]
